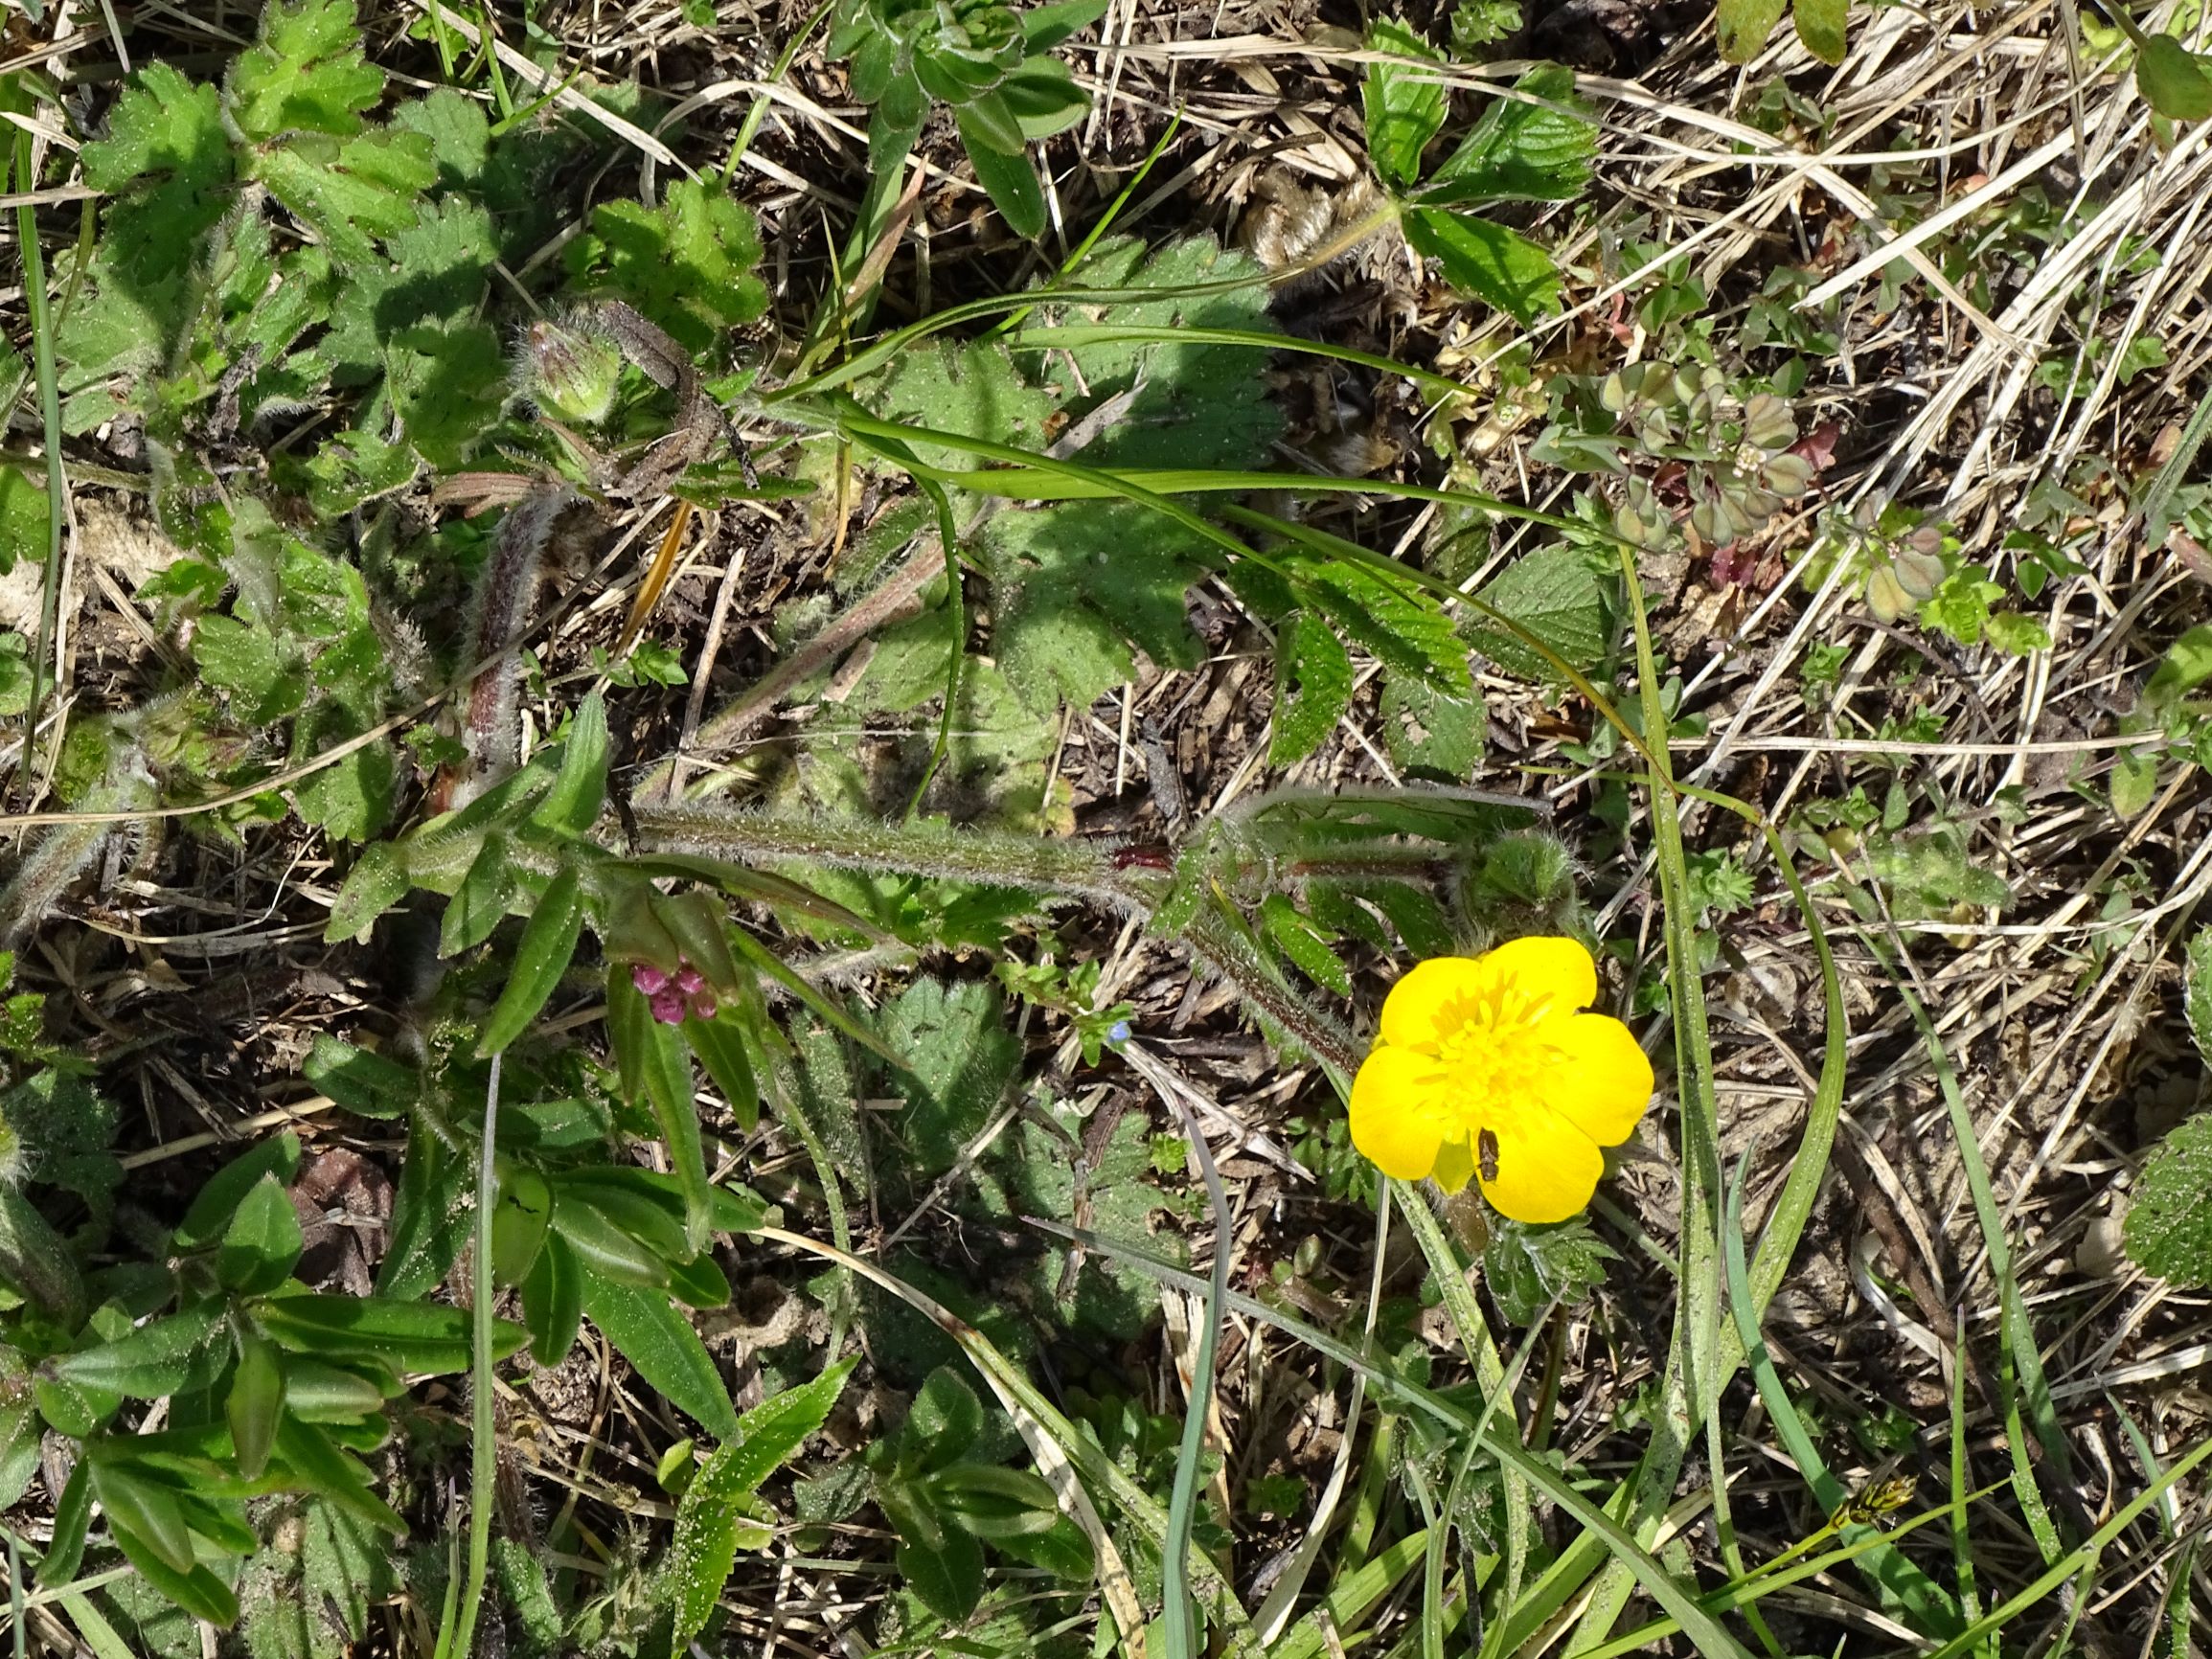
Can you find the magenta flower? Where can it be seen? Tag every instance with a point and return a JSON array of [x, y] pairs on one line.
[[673, 997]]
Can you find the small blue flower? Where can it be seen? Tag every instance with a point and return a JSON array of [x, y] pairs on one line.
[[1118, 1033]]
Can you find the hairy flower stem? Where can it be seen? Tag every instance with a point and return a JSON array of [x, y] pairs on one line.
[[506, 595], [1221, 942], [1077, 868], [66, 850]]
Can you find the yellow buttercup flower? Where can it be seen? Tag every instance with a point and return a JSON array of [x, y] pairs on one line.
[[1487, 1066]]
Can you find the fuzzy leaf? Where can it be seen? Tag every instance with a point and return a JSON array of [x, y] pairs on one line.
[[351, 189], [2168, 1231], [1306, 946], [1404, 108], [377, 881], [1075, 587], [663, 1347], [306, 72], [957, 1055], [1404, 629], [1312, 686], [448, 384], [349, 798], [1555, 595], [688, 264], [1526, 1266], [1521, 151], [1189, 404], [947, 1574], [713, 1511], [971, 388], [2196, 993], [1431, 732], [1486, 261]]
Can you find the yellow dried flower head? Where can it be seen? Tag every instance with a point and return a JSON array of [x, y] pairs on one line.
[[1487, 1066]]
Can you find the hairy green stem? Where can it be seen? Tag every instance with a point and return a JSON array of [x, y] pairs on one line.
[[1079, 869], [34, 300]]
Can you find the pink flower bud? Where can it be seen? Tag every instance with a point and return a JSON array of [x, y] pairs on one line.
[[668, 1006], [690, 981], [648, 979]]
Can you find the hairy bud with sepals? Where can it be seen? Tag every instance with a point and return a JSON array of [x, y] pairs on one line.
[[572, 373]]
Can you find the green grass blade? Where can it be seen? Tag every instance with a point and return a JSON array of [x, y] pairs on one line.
[[1351, 1597], [2000, 1617], [2021, 1367], [1063, 1453], [1898, 1576], [1662, 1585]]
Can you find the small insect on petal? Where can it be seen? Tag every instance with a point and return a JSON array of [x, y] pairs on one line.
[[1486, 1156]]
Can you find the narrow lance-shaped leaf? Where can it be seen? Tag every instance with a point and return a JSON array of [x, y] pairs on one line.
[[411, 1336], [149, 1363], [263, 1241], [196, 1590], [553, 1302], [541, 956], [480, 904], [711, 1512], [720, 1048], [72, 1518], [604, 1249], [572, 806], [663, 1347], [143, 1507], [320, 1466], [518, 1224], [257, 1401]]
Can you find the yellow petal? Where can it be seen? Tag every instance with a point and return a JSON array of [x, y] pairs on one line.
[[1546, 1169], [1410, 1014], [1557, 971], [1394, 1120], [1454, 1164], [1603, 1081]]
